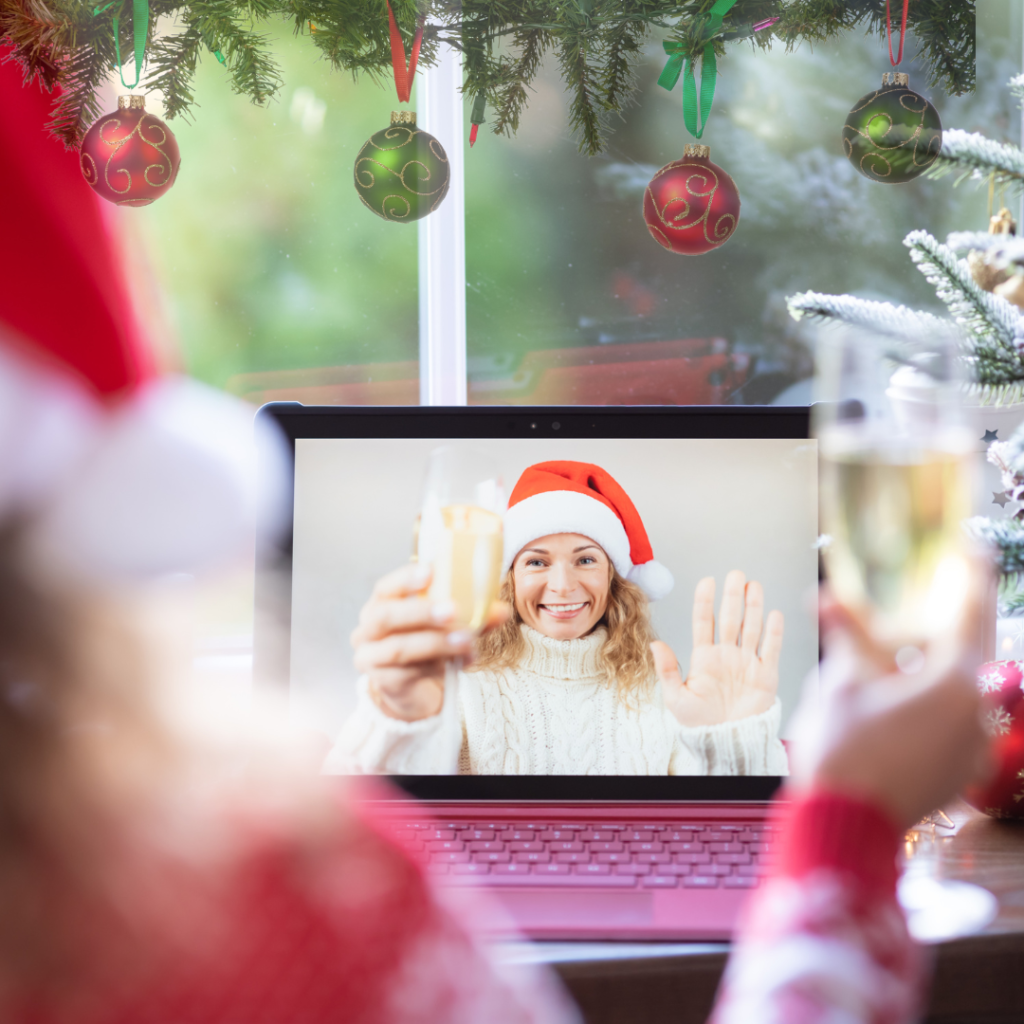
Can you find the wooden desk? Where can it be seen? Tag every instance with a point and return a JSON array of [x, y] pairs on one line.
[[978, 980]]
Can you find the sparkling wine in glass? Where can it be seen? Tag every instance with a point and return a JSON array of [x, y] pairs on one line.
[[896, 482], [459, 532]]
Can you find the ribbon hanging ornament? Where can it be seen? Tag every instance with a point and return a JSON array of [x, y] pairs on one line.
[[402, 172], [893, 134], [129, 156], [692, 205]]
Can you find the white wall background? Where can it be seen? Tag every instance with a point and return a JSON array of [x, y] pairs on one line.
[[708, 505]]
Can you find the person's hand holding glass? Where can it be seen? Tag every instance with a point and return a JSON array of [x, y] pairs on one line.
[[895, 485], [421, 621]]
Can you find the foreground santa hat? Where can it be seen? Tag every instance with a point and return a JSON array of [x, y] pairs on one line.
[[123, 473], [579, 497]]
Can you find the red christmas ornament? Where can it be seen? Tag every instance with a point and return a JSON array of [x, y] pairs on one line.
[[692, 206], [130, 157], [1003, 795]]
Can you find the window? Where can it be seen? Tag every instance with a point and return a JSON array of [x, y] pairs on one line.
[[282, 286]]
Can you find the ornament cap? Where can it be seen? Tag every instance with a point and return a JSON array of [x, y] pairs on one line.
[[403, 117], [692, 149], [1002, 223], [131, 102], [895, 78]]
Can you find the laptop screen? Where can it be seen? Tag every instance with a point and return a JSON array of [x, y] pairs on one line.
[[570, 686]]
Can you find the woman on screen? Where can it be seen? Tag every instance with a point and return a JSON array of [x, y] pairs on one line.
[[569, 678]]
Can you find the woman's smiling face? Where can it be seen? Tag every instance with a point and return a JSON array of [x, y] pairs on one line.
[[562, 583]]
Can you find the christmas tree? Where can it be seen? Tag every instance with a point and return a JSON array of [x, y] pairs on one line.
[[991, 326]]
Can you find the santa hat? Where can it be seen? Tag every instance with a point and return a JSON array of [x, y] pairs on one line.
[[579, 497], [123, 473]]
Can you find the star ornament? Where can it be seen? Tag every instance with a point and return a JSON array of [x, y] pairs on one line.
[[991, 435], [1017, 630], [1000, 498]]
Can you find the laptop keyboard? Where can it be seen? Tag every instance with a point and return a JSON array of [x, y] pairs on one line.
[[625, 855]]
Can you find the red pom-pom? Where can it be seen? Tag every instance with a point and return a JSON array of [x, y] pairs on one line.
[[1003, 795], [691, 206], [128, 156]]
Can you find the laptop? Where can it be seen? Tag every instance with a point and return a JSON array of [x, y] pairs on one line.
[[591, 856]]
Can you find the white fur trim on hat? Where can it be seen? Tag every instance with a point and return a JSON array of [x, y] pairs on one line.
[[169, 485], [566, 512], [653, 579], [571, 512]]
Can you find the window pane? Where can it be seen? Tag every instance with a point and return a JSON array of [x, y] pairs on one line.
[[280, 283], [569, 298]]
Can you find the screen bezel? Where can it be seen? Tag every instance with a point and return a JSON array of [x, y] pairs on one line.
[[272, 646]]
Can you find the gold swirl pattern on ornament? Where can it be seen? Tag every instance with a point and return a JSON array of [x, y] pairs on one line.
[[723, 226], [118, 145], [394, 132], [876, 164], [370, 179], [90, 173], [438, 150]]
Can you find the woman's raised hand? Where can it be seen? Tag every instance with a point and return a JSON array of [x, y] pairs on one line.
[[732, 679], [403, 641]]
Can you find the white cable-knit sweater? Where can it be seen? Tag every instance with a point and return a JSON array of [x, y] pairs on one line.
[[553, 714]]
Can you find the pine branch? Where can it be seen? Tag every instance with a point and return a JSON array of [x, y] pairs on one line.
[[246, 54], [77, 107], [172, 65], [517, 75], [877, 317], [1016, 86], [624, 50], [1001, 251], [584, 109], [980, 159], [1005, 537], [994, 323]]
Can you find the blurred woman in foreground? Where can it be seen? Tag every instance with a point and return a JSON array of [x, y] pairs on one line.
[[146, 875]]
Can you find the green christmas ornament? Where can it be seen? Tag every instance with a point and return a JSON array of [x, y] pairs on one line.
[[402, 172], [892, 134]]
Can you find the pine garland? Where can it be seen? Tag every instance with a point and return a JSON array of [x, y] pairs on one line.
[[599, 44]]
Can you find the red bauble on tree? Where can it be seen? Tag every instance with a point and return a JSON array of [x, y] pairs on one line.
[[1003, 795], [130, 157], [692, 206]]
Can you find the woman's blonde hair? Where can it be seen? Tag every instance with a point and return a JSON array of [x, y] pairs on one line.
[[626, 653]]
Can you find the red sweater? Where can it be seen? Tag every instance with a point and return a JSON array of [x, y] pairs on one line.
[[824, 940]]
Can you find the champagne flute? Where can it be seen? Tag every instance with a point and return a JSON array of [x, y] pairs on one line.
[[896, 483], [459, 532]]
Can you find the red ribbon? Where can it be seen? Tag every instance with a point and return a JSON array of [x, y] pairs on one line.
[[903, 31], [404, 70]]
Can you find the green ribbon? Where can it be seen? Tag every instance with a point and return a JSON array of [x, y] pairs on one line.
[[140, 29], [679, 63]]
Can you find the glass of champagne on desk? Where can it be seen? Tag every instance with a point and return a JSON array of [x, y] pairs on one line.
[[895, 486], [459, 532]]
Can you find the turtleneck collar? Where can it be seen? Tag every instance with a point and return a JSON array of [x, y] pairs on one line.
[[564, 660]]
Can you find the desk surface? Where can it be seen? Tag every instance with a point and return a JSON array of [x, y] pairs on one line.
[[978, 980]]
